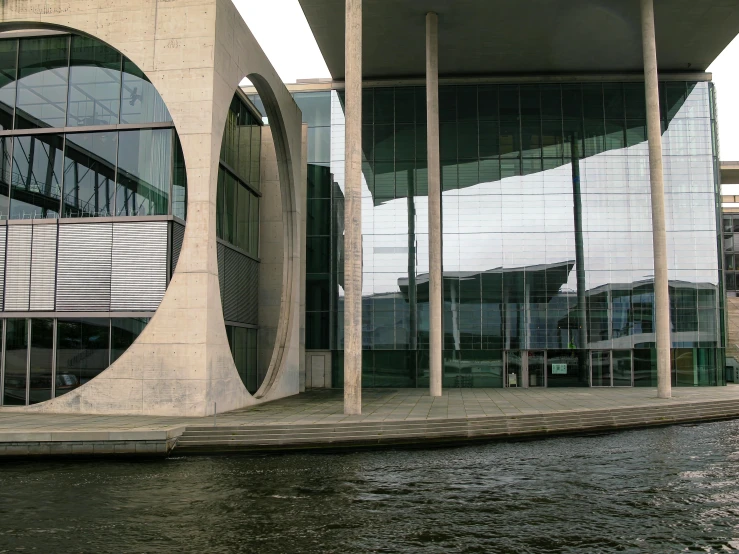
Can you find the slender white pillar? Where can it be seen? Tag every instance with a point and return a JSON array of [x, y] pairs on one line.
[[659, 234], [353, 212], [434, 177]]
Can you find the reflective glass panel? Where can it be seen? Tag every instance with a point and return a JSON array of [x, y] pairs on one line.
[[37, 176], [8, 58], [124, 331], [601, 368], [41, 355], [94, 83], [82, 351], [179, 182], [42, 82], [622, 368], [144, 172], [89, 174], [16, 362], [140, 101], [6, 162]]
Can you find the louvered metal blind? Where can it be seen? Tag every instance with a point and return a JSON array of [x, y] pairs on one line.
[[241, 283], [221, 255], [139, 277], [18, 268], [3, 237], [84, 267], [43, 268], [178, 237]]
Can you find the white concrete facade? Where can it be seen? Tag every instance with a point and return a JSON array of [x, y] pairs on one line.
[[195, 52]]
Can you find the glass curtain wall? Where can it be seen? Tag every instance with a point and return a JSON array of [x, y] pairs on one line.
[[45, 357], [237, 210], [243, 344], [316, 109], [54, 83], [546, 234]]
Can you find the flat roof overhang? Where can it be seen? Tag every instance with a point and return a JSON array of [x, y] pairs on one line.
[[509, 37]]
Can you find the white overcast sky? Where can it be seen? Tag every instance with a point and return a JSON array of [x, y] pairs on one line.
[[282, 31]]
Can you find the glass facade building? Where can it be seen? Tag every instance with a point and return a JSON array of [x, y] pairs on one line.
[[547, 243], [93, 198]]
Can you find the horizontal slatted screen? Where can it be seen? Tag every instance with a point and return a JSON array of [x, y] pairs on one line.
[[18, 268], [241, 280], [139, 277], [43, 268], [221, 254], [84, 266], [178, 237], [3, 237]]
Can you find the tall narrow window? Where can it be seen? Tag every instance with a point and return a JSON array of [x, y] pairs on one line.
[[42, 82], [37, 177], [89, 175], [94, 83]]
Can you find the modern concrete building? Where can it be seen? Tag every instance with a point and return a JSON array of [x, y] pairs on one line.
[[462, 205]]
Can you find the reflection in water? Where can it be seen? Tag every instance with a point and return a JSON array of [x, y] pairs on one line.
[[659, 490]]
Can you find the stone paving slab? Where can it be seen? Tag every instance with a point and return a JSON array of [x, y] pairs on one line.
[[326, 407]]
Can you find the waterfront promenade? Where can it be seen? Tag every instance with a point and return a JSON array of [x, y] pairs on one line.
[[391, 416]]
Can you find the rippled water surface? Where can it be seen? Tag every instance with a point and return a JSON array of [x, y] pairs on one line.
[[661, 490]]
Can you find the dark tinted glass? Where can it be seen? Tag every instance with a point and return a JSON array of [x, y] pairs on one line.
[[16, 362], [42, 82], [37, 177], [124, 331], [6, 162], [89, 174], [179, 182], [140, 102], [8, 58], [144, 172], [82, 351], [42, 352], [94, 83], [319, 181]]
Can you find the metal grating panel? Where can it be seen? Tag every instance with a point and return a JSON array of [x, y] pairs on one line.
[[43, 268], [139, 277], [242, 289], [83, 273], [221, 254], [3, 235], [18, 268], [178, 236]]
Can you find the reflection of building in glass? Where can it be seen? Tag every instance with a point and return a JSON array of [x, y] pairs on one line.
[[507, 154]]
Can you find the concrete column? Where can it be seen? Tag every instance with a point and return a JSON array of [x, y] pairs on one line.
[[434, 177], [659, 234], [353, 212]]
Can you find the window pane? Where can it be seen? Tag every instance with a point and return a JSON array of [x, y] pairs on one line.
[[316, 108], [37, 174], [42, 349], [242, 217], [179, 182], [244, 163], [230, 205], [140, 102], [6, 146], [254, 233], [256, 150], [42, 82], [81, 353], [144, 172], [16, 358], [124, 331], [7, 82], [319, 181], [94, 83], [89, 174]]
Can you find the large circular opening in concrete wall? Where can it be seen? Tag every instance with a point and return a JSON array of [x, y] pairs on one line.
[[245, 198], [93, 201]]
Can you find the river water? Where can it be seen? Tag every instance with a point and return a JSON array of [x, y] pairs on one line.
[[671, 489]]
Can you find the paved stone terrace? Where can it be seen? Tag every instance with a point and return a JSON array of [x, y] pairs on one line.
[[379, 405]]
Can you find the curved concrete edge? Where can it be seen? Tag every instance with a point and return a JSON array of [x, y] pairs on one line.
[[431, 432], [195, 53]]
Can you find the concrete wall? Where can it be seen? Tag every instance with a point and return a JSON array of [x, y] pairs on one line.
[[195, 52]]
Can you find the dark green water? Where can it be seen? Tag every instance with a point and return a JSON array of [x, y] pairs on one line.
[[667, 490]]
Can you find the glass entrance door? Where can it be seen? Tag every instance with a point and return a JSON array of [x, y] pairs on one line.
[[537, 365], [600, 364]]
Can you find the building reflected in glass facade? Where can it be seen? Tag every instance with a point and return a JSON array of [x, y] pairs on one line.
[[547, 243]]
